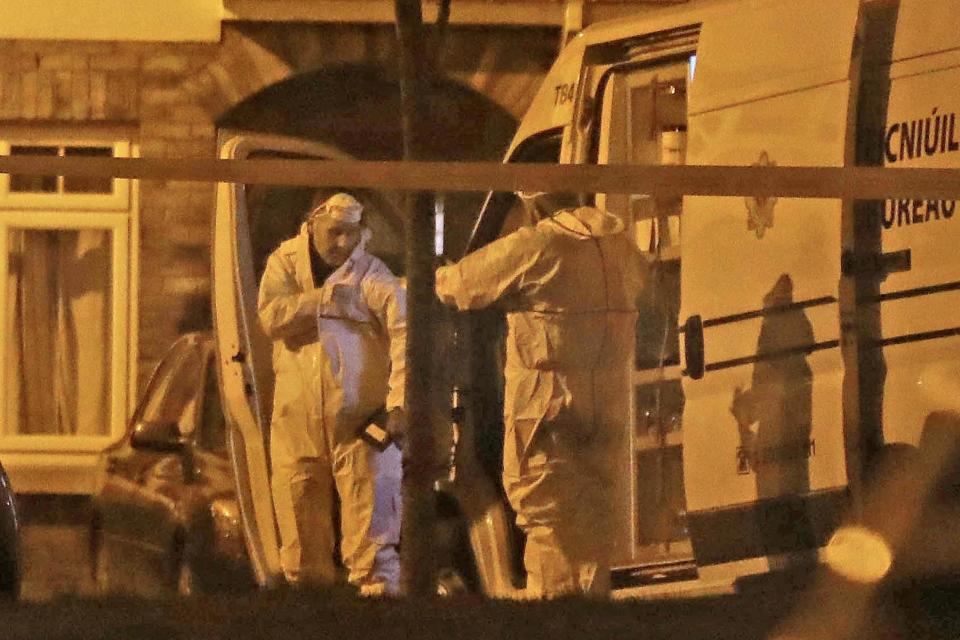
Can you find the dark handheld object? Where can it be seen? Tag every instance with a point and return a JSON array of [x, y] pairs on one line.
[[374, 432]]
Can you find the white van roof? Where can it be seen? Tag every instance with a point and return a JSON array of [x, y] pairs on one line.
[[549, 109]]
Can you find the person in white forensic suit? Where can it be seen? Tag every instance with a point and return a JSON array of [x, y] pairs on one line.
[[569, 286], [337, 316]]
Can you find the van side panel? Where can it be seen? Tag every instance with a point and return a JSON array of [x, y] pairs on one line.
[[770, 47], [925, 27], [744, 256], [764, 460], [921, 327]]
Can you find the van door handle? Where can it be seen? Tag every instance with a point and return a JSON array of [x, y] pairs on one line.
[[876, 264], [693, 347]]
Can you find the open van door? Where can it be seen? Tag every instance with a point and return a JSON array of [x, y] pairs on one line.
[[642, 101], [250, 222], [764, 457]]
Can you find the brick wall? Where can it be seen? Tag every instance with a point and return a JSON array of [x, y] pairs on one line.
[[175, 217], [152, 89]]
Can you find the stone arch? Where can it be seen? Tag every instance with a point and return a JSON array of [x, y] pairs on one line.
[[356, 106], [241, 68], [505, 65], [337, 83]]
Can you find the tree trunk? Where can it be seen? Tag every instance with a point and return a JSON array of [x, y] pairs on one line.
[[418, 568]]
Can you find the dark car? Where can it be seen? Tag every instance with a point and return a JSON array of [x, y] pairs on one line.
[[9, 541], [165, 511]]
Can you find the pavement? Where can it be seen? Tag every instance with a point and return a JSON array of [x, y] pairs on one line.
[[54, 547], [922, 612], [58, 601]]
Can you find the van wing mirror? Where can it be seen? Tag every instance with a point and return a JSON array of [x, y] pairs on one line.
[[693, 347], [157, 436]]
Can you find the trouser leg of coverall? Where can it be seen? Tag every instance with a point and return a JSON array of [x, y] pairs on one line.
[[564, 513], [368, 482], [303, 503], [557, 475]]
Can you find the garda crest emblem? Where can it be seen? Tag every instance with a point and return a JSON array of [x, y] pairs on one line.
[[760, 210]]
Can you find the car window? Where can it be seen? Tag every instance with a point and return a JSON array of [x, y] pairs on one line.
[[212, 435], [173, 393]]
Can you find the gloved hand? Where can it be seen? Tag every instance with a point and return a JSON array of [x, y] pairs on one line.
[[397, 426]]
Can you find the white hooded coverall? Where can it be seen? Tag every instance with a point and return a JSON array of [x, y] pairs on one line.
[[569, 287], [339, 357]]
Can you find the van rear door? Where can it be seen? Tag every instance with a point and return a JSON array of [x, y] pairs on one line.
[[251, 220], [643, 103], [764, 464]]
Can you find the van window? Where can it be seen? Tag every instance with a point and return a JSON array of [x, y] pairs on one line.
[[503, 212], [644, 121], [542, 147]]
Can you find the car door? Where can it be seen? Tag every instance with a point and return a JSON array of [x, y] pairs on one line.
[[764, 455], [214, 556], [251, 220], [143, 488]]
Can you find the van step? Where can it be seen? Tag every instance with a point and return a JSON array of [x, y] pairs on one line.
[[672, 571]]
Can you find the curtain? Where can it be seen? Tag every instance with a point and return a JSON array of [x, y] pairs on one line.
[[58, 333]]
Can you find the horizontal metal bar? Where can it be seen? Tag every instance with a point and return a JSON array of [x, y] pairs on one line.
[[918, 337], [829, 344], [666, 373], [773, 355], [382, 12], [772, 311], [916, 293], [866, 183], [531, 13]]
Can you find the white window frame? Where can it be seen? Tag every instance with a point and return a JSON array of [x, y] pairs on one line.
[[116, 213], [117, 200]]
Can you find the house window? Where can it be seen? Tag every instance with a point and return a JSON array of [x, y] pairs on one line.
[[36, 191], [60, 184], [68, 264], [59, 331]]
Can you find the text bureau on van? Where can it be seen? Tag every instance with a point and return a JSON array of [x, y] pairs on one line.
[[905, 212], [932, 135]]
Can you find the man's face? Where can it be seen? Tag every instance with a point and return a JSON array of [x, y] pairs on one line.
[[334, 240]]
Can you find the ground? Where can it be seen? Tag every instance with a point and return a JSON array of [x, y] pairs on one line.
[[58, 603]]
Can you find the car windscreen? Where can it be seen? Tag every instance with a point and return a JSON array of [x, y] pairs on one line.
[[174, 391]]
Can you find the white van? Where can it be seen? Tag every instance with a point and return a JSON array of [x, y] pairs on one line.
[[764, 286], [814, 330]]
